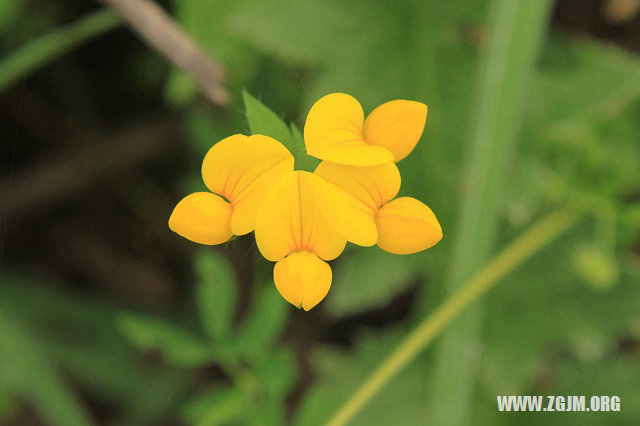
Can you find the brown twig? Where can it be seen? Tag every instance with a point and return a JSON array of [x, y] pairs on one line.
[[107, 156], [163, 33]]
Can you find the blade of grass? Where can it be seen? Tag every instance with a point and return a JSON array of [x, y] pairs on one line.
[[518, 251], [515, 30], [44, 49]]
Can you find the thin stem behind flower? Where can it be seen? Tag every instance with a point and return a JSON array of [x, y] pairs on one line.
[[512, 256]]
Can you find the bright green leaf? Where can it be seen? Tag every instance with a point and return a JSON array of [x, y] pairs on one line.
[[303, 161], [265, 122]]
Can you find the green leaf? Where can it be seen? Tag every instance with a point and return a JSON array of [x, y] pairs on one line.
[[26, 369], [368, 278], [303, 161], [339, 371], [262, 326], [178, 346], [9, 406], [77, 334], [514, 38], [216, 292], [218, 403], [278, 373], [529, 320], [265, 122], [218, 406]]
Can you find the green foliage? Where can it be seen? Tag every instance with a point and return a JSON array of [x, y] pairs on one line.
[[177, 345], [367, 279], [553, 327], [339, 371], [28, 372], [62, 335], [9, 11], [247, 354], [216, 293], [262, 326], [50, 46], [265, 122]]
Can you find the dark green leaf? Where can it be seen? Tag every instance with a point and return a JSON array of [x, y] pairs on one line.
[[263, 325], [216, 292], [29, 373], [178, 345], [368, 278]]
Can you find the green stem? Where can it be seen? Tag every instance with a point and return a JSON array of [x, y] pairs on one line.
[[506, 64], [44, 49], [527, 244], [241, 376]]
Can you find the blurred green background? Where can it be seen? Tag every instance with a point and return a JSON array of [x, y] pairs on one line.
[[107, 317]]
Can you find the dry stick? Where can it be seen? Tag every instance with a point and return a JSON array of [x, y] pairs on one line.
[[107, 156], [162, 32]]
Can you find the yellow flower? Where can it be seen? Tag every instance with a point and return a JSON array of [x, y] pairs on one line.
[[403, 225], [241, 169], [295, 227], [302, 219], [336, 131]]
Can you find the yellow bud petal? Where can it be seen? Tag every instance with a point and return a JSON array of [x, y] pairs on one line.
[[203, 218], [243, 169], [303, 279], [333, 132], [406, 225], [374, 186], [396, 126]]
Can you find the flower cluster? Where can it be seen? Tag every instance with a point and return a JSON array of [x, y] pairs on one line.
[[303, 219]]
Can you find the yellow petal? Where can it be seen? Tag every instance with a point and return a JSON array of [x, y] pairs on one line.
[[374, 186], [406, 225], [333, 132], [303, 279], [289, 220], [243, 169], [346, 215], [203, 218], [396, 126]]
